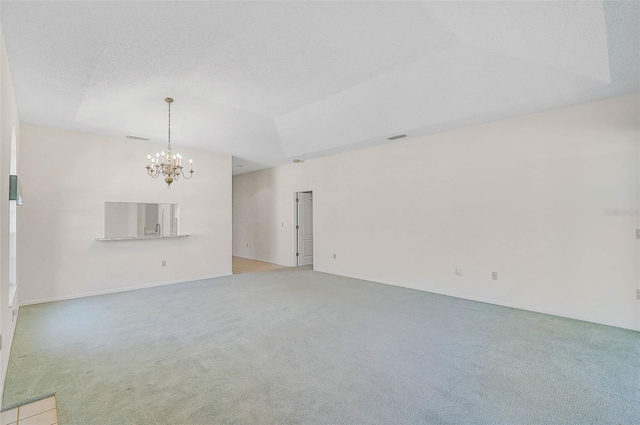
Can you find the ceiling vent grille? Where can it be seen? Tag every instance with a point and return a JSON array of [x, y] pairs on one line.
[[136, 138], [399, 136]]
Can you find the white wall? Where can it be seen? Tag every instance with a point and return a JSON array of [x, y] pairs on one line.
[[525, 197], [67, 177], [8, 122]]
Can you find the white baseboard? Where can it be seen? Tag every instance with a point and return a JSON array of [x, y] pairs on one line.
[[488, 301], [261, 259], [112, 291]]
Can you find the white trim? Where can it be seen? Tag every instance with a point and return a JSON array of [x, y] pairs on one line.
[[113, 291], [140, 238], [485, 301], [262, 260], [539, 311], [13, 289], [294, 246]]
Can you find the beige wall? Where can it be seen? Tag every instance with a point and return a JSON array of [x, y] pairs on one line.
[[525, 197], [8, 122], [67, 177]]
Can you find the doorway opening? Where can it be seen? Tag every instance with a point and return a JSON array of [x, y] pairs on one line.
[[304, 228]]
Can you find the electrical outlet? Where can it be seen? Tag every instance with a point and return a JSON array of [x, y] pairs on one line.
[[637, 294], [164, 263], [494, 275], [459, 272], [334, 256]]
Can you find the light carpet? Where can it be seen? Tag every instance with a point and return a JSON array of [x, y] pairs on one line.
[[293, 346]]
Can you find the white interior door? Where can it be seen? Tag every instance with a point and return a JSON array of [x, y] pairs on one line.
[[305, 228]]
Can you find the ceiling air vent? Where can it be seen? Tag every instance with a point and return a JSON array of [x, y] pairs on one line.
[[399, 136], [136, 137]]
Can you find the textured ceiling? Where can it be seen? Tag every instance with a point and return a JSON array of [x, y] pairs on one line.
[[271, 81]]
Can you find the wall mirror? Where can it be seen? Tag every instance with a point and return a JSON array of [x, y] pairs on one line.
[[135, 220]]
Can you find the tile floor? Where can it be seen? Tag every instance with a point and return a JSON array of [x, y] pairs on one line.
[[42, 412], [245, 265]]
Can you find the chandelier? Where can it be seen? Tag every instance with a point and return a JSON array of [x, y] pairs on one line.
[[170, 166]]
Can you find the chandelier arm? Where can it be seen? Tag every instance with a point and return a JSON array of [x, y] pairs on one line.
[[152, 173]]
